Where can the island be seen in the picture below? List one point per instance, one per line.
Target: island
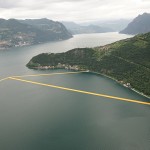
(126, 61)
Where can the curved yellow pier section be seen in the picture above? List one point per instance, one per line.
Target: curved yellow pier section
(3, 79)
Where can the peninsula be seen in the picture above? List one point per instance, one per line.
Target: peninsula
(126, 61)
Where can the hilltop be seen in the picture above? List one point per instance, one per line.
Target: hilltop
(127, 61)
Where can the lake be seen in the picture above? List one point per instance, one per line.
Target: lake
(35, 117)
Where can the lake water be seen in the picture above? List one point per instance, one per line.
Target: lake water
(34, 117)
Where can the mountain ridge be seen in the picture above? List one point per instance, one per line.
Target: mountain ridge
(139, 25)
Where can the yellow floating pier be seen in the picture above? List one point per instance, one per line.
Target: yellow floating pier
(81, 91)
(19, 78)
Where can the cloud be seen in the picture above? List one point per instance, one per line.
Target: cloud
(8, 4)
(73, 10)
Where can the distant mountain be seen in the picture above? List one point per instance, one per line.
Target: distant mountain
(78, 29)
(140, 24)
(14, 33)
(126, 61)
(97, 29)
(116, 25)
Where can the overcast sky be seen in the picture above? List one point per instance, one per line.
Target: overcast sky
(73, 10)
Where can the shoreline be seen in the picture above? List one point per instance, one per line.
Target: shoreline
(140, 93)
(34, 44)
(89, 71)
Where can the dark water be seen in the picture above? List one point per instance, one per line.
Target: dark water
(34, 117)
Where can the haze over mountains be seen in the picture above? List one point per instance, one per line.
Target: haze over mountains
(96, 26)
(75, 28)
(141, 24)
(116, 25)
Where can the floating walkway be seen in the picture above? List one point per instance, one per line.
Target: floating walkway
(18, 78)
(3, 79)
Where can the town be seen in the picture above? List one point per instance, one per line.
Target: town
(59, 66)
